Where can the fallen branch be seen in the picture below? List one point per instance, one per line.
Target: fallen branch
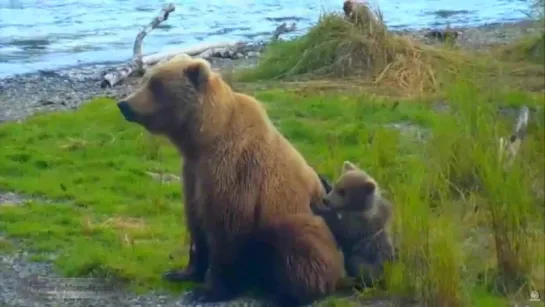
(137, 65)
(509, 148)
(140, 63)
(202, 49)
(231, 50)
(282, 29)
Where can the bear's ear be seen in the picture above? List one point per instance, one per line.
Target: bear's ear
(198, 72)
(348, 166)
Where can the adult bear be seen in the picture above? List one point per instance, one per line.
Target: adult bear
(247, 189)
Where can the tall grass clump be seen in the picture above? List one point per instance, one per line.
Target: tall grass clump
(429, 261)
(427, 236)
(511, 206)
(361, 47)
(457, 192)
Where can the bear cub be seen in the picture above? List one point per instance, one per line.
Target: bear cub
(357, 215)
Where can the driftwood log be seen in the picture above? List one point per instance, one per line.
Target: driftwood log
(510, 147)
(230, 50)
(282, 29)
(139, 63)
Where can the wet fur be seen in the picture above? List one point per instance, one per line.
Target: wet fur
(241, 179)
(358, 220)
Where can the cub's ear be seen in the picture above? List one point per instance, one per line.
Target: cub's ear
(348, 166)
(198, 72)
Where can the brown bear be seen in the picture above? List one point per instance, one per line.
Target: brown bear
(357, 215)
(245, 186)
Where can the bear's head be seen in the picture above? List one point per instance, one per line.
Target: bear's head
(170, 95)
(355, 190)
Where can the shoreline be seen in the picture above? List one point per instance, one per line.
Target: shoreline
(67, 88)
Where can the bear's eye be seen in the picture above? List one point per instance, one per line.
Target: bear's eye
(156, 88)
(341, 192)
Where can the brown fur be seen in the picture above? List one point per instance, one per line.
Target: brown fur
(348, 8)
(241, 176)
(297, 250)
(359, 13)
(357, 215)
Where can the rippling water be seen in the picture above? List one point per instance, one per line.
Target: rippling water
(49, 34)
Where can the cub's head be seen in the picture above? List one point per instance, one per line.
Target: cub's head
(348, 7)
(170, 94)
(355, 190)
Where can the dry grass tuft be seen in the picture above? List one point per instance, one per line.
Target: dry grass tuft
(358, 46)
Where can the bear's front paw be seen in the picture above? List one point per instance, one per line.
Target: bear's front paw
(195, 296)
(216, 290)
(208, 295)
(189, 274)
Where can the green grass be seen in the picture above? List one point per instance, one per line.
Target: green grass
(109, 217)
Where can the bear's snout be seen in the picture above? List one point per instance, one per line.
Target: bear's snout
(127, 111)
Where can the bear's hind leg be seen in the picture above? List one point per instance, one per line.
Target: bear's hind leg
(300, 260)
(366, 274)
(229, 270)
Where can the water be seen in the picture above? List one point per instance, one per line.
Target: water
(50, 34)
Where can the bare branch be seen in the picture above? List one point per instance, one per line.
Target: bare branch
(136, 65)
(139, 62)
(282, 29)
(163, 16)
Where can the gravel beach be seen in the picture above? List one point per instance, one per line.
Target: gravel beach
(47, 91)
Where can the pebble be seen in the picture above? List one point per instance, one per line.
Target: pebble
(19, 279)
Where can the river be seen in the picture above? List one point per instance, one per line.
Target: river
(51, 34)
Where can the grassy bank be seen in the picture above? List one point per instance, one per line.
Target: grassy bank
(367, 55)
(106, 204)
(111, 215)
